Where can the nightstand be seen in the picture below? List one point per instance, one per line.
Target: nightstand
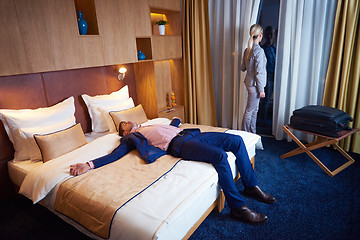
(177, 111)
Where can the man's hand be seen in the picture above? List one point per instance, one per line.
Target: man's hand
(262, 94)
(79, 168)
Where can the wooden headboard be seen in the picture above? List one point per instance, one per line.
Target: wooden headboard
(46, 89)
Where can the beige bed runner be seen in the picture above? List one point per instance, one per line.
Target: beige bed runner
(93, 198)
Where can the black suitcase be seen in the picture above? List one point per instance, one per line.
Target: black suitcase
(323, 120)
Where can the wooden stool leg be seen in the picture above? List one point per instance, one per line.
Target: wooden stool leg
(315, 145)
(302, 149)
(319, 163)
(347, 156)
(311, 146)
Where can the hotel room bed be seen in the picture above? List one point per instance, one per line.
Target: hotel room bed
(177, 200)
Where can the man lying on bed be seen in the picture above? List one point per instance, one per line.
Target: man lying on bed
(155, 141)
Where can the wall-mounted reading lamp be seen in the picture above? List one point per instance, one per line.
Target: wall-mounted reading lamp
(122, 72)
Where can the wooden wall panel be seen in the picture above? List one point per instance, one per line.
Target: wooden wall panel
(52, 39)
(166, 47)
(119, 22)
(177, 80)
(13, 58)
(61, 21)
(163, 83)
(36, 21)
(174, 25)
(146, 87)
(139, 14)
(43, 35)
(173, 5)
(89, 52)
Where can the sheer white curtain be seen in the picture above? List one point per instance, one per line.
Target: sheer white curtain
(303, 49)
(230, 21)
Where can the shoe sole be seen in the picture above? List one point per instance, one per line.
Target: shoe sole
(250, 223)
(249, 196)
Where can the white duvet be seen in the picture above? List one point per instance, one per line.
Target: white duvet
(40, 181)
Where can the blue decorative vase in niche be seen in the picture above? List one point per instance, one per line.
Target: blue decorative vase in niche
(141, 55)
(83, 26)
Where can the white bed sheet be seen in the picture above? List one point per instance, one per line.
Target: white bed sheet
(165, 218)
(19, 169)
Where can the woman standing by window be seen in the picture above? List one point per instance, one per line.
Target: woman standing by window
(254, 62)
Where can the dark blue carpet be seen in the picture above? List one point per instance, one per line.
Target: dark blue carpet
(310, 204)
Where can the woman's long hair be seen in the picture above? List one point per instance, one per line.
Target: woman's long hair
(255, 31)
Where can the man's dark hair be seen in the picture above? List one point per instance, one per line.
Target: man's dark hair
(268, 30)
(121, 130)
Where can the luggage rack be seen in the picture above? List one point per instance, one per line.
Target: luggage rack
(322, 141)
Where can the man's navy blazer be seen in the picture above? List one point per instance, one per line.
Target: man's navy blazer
(131, 142)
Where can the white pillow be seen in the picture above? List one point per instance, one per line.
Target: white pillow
(28, 118)
(98, 123)
(105, 113)
(104, 120)
(28, 135)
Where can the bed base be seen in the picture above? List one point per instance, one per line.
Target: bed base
(218, 206)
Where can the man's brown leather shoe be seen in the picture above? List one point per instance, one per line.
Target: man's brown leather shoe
(258, 194)
(246, 215)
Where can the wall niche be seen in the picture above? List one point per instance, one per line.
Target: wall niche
(87, 7)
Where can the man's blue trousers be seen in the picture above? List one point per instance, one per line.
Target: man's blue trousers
(211, 147)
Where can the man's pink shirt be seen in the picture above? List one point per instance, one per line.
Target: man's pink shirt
(159, 136)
